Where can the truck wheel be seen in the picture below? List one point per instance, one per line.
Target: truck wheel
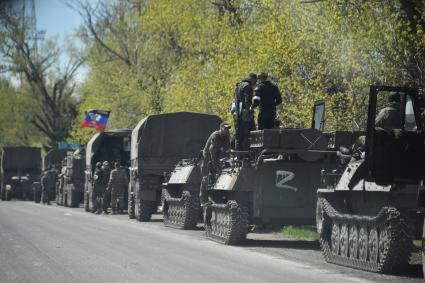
(144, 210)
(8, 195)
(131, 206)
(73, 200)
(37, 197)
(86, 202)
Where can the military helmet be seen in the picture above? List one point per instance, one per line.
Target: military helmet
(105, 163)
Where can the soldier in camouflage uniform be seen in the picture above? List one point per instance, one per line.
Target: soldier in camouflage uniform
(267, 96)
(391, 117)
(118, 183)
(106, 195)
(97, 189)
(47, 184)
(217, 145)
(60, 191)
(242, 114)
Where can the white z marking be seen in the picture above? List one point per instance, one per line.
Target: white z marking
(282, 177)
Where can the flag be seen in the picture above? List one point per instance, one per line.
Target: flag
(95, 119)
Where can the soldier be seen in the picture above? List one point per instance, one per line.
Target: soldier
(118, 183)
(45, 187)
(61, 192)
(267, 96)
(97, 188)
(217, 144)
(391, 117)
(243, 115)
(106, 196)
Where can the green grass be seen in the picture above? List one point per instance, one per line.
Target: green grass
(299, 233)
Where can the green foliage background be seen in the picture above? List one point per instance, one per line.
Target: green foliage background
(187, 55)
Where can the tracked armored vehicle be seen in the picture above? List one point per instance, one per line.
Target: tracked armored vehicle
(371, 207)
(158, 142)
(73, 179)
(111, 146)
(182, 208)
(19, 168)
(274, 183)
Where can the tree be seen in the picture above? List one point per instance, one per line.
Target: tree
(50, 84)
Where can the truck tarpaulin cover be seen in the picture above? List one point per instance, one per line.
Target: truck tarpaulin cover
(171, 136)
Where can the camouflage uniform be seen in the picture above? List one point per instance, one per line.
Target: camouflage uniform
(97, 193)
(215, 147)
(118, 183)
(106, 195)
(267, 95)
(61, 192)
(242, 114)
(391, 117)
(45, 187)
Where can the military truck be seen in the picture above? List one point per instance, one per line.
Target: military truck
(73, 179)
(52, 160)
(371, 207)
(19, 168)
(158, 142)
(111, 146)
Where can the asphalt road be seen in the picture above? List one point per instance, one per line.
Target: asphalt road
(56, 244)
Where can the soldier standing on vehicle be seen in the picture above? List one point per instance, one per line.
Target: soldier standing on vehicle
(217, 145)
(97, 188)
(267, 96)
(118, 183)
(391, 117)
(106, 196)
(243, 115)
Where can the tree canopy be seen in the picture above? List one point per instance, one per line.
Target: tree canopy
(146, 56)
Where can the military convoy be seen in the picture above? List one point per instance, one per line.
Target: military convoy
(368, 209)
(158, 142)
(111, 146)
(19, 168)
(371, 208)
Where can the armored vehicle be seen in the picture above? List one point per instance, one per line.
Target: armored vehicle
(51, 161)
(181, 206)
(73, 179)
(19, 168)
(158, 142)
(111, 146)
(274, 183)
(370, 208)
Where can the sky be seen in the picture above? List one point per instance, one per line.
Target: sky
(56, 18)
(59, 22)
